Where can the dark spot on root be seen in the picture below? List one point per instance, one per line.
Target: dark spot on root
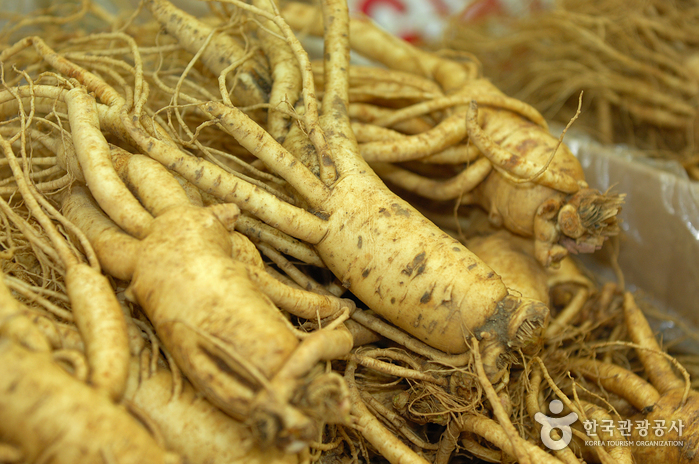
(327, 161)
(13, 386)
(359, 242)
(222, 366)
(366, 273)
(393, 300)
(432, 325)
(416, 324)
(399, 210)
(456, 249)
(512, 162)
(471, 266)
(426, 297)
(417, 261)
(385, 212)
(420, 270)
(490, 275)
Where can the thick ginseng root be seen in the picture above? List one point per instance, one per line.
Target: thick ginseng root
(53, 417)
(438, 291)
(555, 204)
(512, 258)
(228, 337)
(191, 425)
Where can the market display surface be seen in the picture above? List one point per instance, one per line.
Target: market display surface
(216, 249)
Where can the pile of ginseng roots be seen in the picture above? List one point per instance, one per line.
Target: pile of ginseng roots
(169, 293)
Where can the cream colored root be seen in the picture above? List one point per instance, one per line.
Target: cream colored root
(360, 76)
(455, 154)
(365, 132)
(413, 344)
(261, 144)
(447, 189)
(335, 120)
(283, 243)
(322, 345)
(568, 272)
(27, 292)
(369, 114)
(292, 271)
(567, 314)
(445, 134)
(35, 175)
(75, 359)
(212, 439)
(512, 165)
(481, 91)
(360, 334)
(15, 325)
(378, 409)
(92, 151)
(102, 325)
(153, 185)
(387, 91)
(48, 187)
(512, 258)
(310, 118)
(214, 180)
(619, 454)
(286, 76)
(95, 308)
(641, 394)
(494, 433)
(192, 192)
(388, 445)
(516, 441)
(397, 371)
(657, 367)
(115, 249)
(533, 407)
(300, 303)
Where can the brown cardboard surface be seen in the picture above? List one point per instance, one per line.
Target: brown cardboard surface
(659, 246)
